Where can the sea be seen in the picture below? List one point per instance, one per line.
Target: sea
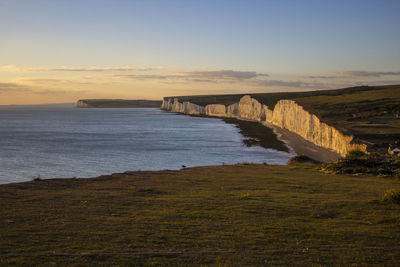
(62, 141)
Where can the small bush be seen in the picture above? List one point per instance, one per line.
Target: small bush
(37, 178)
(302, 159)
(391, 196)
(356, 154)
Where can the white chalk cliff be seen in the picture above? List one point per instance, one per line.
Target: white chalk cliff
(287, 114)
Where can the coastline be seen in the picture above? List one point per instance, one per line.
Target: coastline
(300, 146)
(296, 144)
(285, 113)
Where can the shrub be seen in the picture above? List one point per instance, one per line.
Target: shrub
(302, 159)
(37, 178)
(356, 154)
(361, 163)
(391, 196)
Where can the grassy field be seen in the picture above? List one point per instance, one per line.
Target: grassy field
(223, 215)
(365, 112)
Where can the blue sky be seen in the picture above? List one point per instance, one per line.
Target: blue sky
(338, 43)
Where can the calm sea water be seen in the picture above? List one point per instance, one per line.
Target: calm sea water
(67, 141)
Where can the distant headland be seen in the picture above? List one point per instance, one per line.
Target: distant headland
(117, 103)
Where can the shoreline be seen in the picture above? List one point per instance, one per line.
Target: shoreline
(296, 144)
(300, 146)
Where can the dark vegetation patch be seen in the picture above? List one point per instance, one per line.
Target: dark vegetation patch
(391, 196)
(149, 192)
(302, 159)
(233, 215)
(358, 162)
(257, 134)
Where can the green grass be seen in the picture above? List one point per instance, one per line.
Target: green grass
(257, 134)
(223, 215)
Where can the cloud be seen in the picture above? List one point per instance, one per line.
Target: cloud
(321, 77)
(212, 76)
(383, 82)
(48, 92)
(21, 88)
(357, 74)
(13, 87)
(360, 73)
(295, 84)
(322, 85)
(45, 80)
(93, 69)
(224, 74)
(147, 77)
(14, 68)
(161, 74)
(41, 81)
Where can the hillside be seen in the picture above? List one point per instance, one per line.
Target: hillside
(371, 115)
(367, 112)
(219, 215)
(117, 103)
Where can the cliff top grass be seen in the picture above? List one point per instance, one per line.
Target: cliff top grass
(270, 99)
(367, 112)
(219, 215)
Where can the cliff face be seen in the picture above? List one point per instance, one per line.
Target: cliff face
(216, 110)
(82, 104)
(251, 109)
(173, 105)
(287, 114)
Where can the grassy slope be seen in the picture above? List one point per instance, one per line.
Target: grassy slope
(374, 120)
(243, 207)
(374, 106)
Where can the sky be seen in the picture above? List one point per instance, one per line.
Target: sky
(61, 51)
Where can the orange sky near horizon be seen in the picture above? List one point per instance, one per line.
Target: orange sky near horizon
(62, 51)
(39, 85)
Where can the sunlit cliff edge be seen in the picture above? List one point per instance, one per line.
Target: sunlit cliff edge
(286, 114)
